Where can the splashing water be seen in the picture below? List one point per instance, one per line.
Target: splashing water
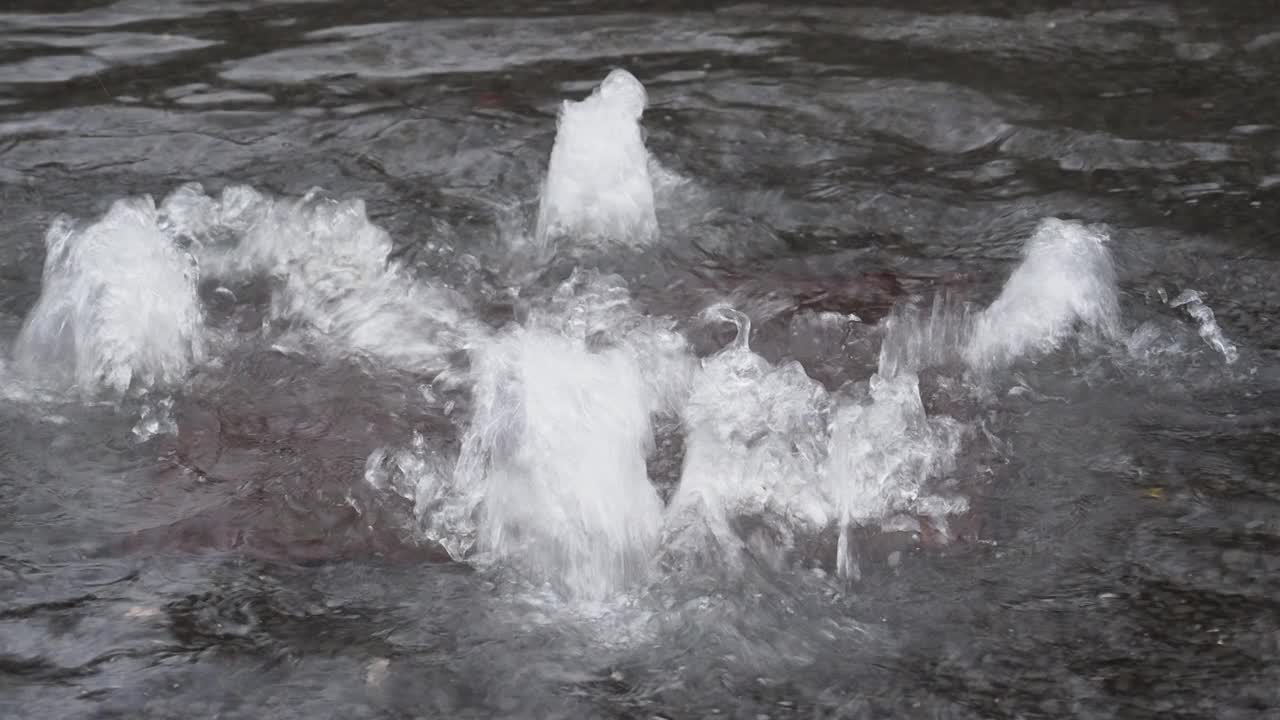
(1065, 283)
(598, 189)
(754, 447)
(334, 276)
(118, 305)
(882, 451)
(598, 310)
(552, 476)
(1191, 301)
(884, 448)
(557, 452)
(914, 341)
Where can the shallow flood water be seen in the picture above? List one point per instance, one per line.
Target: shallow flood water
(848, 361)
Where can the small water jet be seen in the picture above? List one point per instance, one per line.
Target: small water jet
(551, 479)
(118, 306)
(1065, 285)
(598, 191)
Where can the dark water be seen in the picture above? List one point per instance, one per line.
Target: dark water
(1121, 555)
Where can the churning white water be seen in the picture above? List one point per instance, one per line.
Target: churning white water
(753, 446)
(556, 450)
(331, 272)
(551, 478)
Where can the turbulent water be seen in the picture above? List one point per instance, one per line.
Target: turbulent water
(632, 360)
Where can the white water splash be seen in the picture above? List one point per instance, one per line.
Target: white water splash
(1065, 284)
(884, 447)
(755, 444)
(1192, 302)
(557, 450)
(768, 442)
(552, 477)
(598, 310)
(915, 340)
(118, 306)
(598, 189)
(334, 278)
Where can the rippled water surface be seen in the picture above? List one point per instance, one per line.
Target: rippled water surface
(910, 360)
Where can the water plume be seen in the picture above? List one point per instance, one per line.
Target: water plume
(598, 191)
(1065, 285)
(551, 479)
(118, 306)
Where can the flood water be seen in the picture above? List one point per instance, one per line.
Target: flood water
(898, 360)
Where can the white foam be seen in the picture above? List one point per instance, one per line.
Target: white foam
(1065, 285)
(118, 305)
(598, 310)
(597, 189)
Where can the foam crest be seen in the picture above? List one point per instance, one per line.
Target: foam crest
(334, 277)
(118, 305)
(755, 444)
(1065, 284)
(598, 189)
